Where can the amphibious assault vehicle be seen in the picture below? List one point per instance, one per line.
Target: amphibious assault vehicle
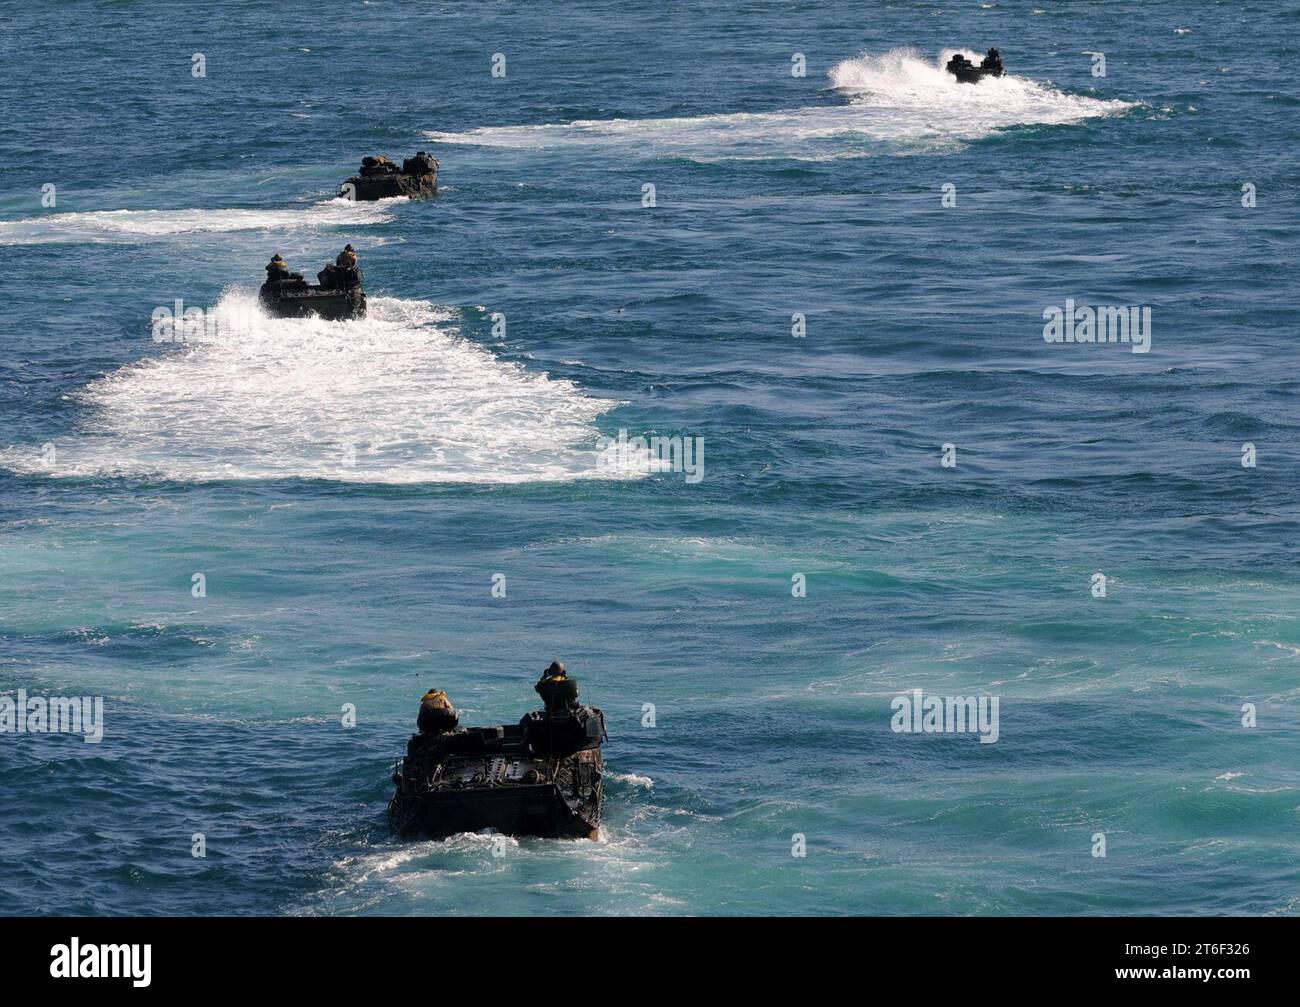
(967, 72)
(540, 777)
(380, 178)
(338, 296)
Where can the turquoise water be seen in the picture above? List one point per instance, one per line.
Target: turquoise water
(349, 490)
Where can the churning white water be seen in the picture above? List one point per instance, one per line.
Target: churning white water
(396, 397)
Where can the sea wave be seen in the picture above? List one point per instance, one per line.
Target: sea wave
(130, 226)
(898, 102)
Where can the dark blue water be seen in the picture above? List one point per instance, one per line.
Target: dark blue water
(349, 490)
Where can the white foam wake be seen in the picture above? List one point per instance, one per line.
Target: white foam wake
(897, 102)
(396, 397)
(107, 226)
(904, 90)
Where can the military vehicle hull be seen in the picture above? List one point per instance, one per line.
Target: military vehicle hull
(974, 74)
(369, 188)
(495, 778)
(307, 299)
(539, 809)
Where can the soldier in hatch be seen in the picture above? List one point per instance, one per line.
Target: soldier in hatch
(992, 62)
(558, 691)
(437, 715)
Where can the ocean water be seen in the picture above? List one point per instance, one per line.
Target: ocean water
(349, 491)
